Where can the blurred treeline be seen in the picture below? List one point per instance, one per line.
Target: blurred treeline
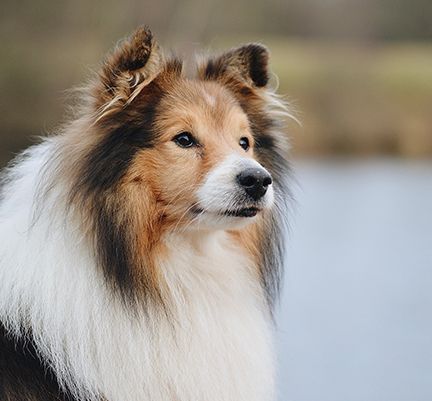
(358, 72)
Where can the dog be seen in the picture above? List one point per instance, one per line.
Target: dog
(141, 247)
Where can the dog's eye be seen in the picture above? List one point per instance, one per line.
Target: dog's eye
(244, 143)
(185, 140)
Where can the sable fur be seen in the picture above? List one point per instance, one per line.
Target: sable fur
(107, 291)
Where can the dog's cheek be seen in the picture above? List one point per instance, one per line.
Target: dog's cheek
(180, 178)
(141, 185)
(175, 175)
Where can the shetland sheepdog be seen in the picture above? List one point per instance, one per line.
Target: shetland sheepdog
(141, 246)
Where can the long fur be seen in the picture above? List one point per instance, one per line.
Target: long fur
(106, 292)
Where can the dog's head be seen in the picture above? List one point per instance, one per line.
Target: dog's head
(167, 152)
(202, 169)
(186, 149)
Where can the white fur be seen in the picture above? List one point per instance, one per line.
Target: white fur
(220, 192)
(215, 347)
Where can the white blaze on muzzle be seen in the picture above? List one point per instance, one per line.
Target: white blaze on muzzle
(224, 190)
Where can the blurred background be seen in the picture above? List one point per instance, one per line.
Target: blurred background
(355, 322)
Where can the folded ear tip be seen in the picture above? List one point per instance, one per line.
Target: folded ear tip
(258, 56)
(142, 35)
(142, 42)
(258, 49)
(137, 49)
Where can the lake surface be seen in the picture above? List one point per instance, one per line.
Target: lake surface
(355, 321)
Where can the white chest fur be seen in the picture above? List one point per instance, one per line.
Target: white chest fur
(222, 345)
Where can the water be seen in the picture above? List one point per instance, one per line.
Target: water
(355, 320)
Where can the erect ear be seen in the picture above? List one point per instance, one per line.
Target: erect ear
(134, 63)
(248, 63)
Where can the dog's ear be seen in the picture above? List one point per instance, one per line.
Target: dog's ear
(249, 63)
(134, 63)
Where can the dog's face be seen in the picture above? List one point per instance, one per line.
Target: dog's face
(201, 169)
(174, 151)
(157, 152)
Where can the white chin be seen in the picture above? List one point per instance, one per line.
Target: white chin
(217, 221)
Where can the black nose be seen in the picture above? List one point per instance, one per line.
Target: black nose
(255, 181)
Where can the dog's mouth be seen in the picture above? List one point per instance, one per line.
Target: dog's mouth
(244, 212)
(241, 212)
